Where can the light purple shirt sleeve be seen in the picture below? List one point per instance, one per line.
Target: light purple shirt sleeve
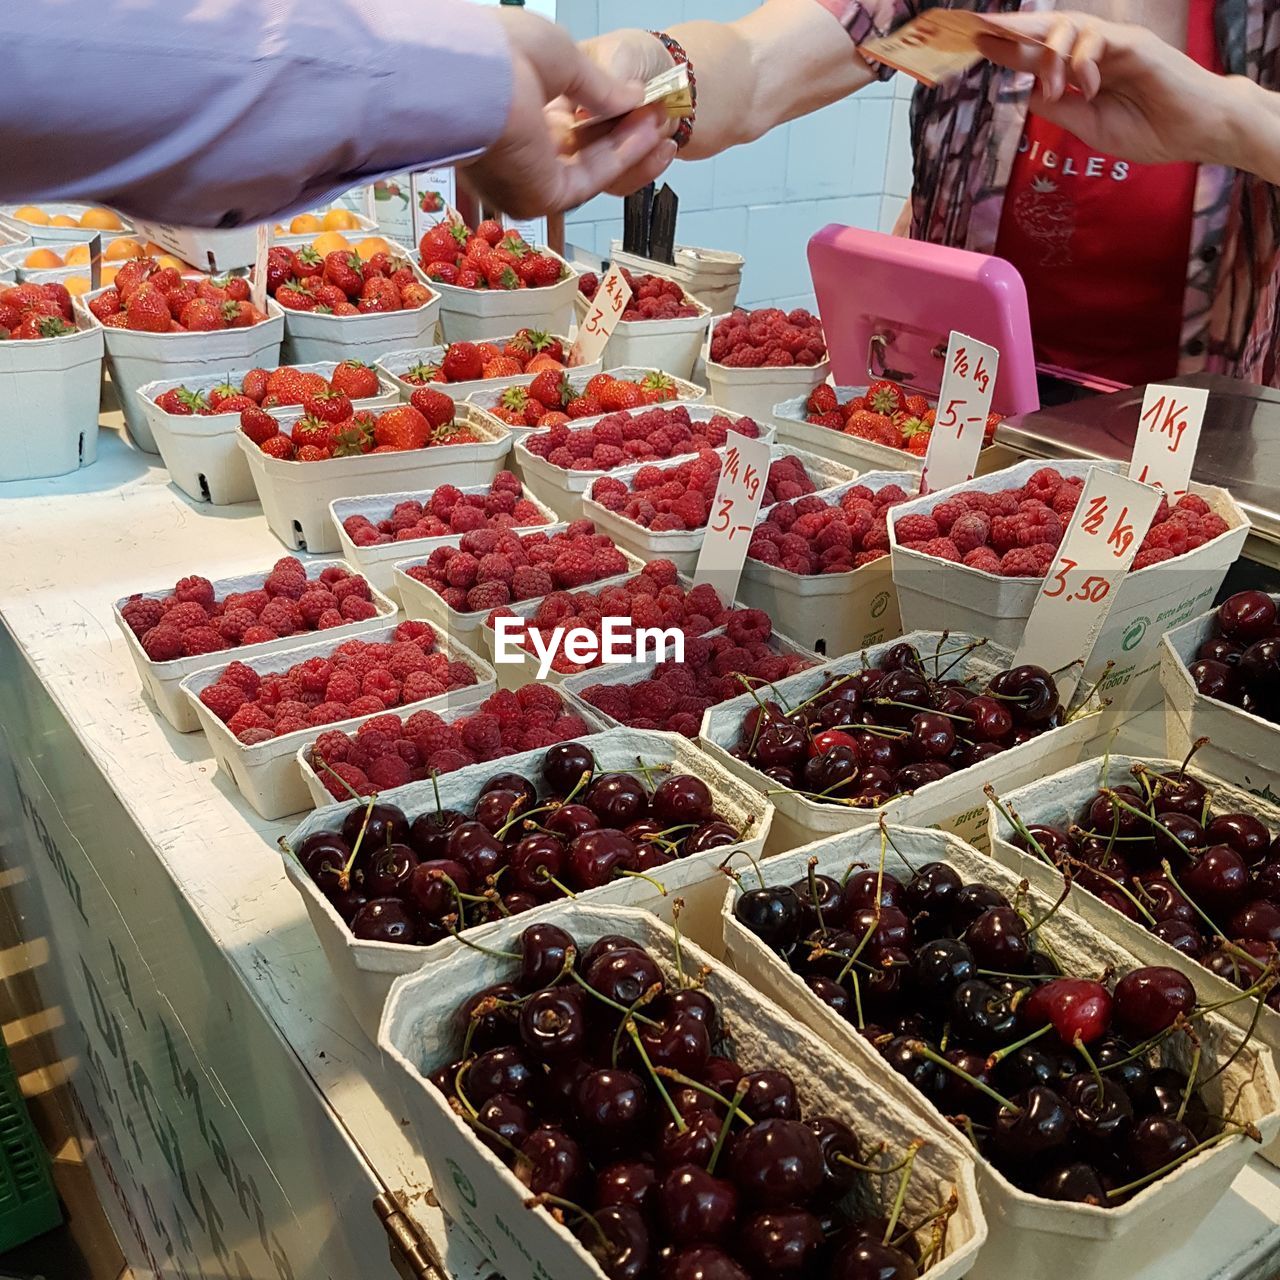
(227, 112)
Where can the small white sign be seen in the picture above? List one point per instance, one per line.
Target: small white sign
(1164, 450)
(432, 195)
(530, 230)
(1098, 548)
(601, 319)
(968, 383)
(733, 514)
(258, 283)
(95, 261)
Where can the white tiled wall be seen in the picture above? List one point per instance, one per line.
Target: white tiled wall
(848, 163)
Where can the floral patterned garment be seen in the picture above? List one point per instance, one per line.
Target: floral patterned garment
(965, 134)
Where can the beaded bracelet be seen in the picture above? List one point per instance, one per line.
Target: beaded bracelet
(678, 55)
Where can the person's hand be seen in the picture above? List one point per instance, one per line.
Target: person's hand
(1116, 87)
(536, 166)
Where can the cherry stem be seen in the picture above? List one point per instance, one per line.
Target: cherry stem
(891, 702)
(1001, 1054)
(1191, 1080)
(1197, 745)
(643, 998)
(544, 1198)
(546, 875)
(813, 891)
(680, 1122)
(344, 879)
(961, 654)
(1195, 906)
(677, 907)
(646, 771)
(613, 1004)
(456, 934)
(1144, 815)
(435, 787)
(857, 1000)
(1118, 887)
(1057, 906)
(325, 765)
(670, 1073)
(1079, 1046)
(873, 1170)
(900, 1199)
(640, 875)
(938, 1232)
(1093, 692)
(1249, 1030)
(1010, 815)
(734, 1111)
(919, 1046)
(884, 831)
(1116, 1192)
(457, 1088)
(750, 857)
(866, 937)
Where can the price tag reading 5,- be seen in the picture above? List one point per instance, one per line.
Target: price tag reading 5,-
(968, 383)
(1164, 450)
(603, 314)
(733, 514)
(1099, 546)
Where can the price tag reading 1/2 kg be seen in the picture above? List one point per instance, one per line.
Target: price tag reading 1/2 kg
(1099, 546)
(603, 314)
(733, 514)
(968, 383)
(258, 285)
(1164, 450)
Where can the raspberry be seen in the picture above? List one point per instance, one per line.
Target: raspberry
(1212, 526)
(366, 705)
(289, 585)
(462, 570)
(282, 615)
(1193, 502)
(915, 528)
(197, 590)
(1151, 555)
(970, 531)
(354, 609)
(340, 780)
(1043, 484)
(419, 685)
(224, 700)
(1170, 536)
(247, 716)
(313, 603)
(1020, 562)
(1004, 533)
(1039, 526)
(252, 736)
(983, 558)
(481, 734)
(141, 614)
(233, 623)
(942, 549)
(389, 771)
(185, 615)
(198, 640)
(328, 713)
(747, 625)
(380, 683)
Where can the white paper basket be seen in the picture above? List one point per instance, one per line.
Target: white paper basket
(670, 345)
(476, 315)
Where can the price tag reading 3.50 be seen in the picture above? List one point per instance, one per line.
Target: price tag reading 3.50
(603, 314)
(1164, 450)
(733, 514)
(1099, 546)
(968, 383)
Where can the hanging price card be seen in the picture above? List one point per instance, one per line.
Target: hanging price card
(1164, 450)
(432, 194)
(258, 284)
(1101, 541)
(968, 383)
(602, 318)
(733, 514)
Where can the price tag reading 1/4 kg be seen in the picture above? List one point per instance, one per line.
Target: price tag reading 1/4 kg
(1098, 548)
(733, 514)
(968, 383)
(603, 314)
(1164, 450)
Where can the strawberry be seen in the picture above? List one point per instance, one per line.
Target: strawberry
(312, 453)
(442, 243)
(514, 244)
(356, 378)
(345, 270)
(179, 298)
(503, 277)
(278, 446)
(282, 266)
(311, 430)
(657, 387)
(414, 295)
(534, 412)
(216, 395)
(822, 399)
(236, 404)
(254, 384)
(620, 395)
(918, 444)
(545, 271)
(35, 325)
(420, 372)
(327, 295)
(515, 398)
(885, 397)
(147, 310)
(552, 389)
(462, 362)
(135, 272)
(441, 272)
(435, 406)
(183, 403)
(309, 263)
(597, 384)
(583, 407)
(351, 438)
(289, 385)
(107, 303)
(246, 315)
(328, 406)
(403, 427)
(989, 430)
(543, 362)
(295, 296)
(491, 231)
(379, 295)
(502, 367)
(236, 287)
(403, 276)
(258, 425)
(57, 293)
(916, 406)
(470, 279)
(379, 265)
(205, 289)
(202, 316)
(554, 419)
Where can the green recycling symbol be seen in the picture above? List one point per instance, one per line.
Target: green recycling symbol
(1133, 633)
(462, 1183)
(879, 604)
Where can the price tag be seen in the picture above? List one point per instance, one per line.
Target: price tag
(733, 514)
(530, 230)
(602, 318)
(432, 194)
(968, 383)
(1101, 541)
(1168, 436)
(258, 283)
(95, 261)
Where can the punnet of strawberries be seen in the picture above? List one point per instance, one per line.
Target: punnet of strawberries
(769, 338)
(359, 678)
(552, 399)
(33, 311)
(652, 297)
(886, 413)
(678, 498)
(447, 510)
(331, 428)
(620, 438)
(490, 257)
(390, 750)
(526, 351)
(150, 298)
(192, 620)
(490, 568)
(1016, 532)
(341, 283)
(272, 389)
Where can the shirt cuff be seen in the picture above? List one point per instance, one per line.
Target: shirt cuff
(854, 17)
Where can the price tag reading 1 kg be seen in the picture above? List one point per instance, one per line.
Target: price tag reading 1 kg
(968, 383)
(603, 314)
(1106, 530)
(1164, 450)
(733, 514)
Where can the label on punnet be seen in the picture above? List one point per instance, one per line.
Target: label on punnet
(603, 314)
(739, 494)
(968, 383)
(1164, 450)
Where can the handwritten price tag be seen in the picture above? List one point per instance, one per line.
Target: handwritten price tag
(964, 402)
(601, 319)
(258, 284)
(1098, 548)
(1168, 436)
(733, 514)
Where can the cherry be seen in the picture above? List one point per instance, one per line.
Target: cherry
(1166, 1088)
(932, 735)
(568, 821)
(429, 832)
(1266, 881)
(612, 1103)
(1247, 616)
(683, 798)
(1042, 1123)
(998, 939)
(902, 693)
(835, 1138)
(624, 976)
(497, 1025)
(1072, 1180)
(1053, 842)
(616, 799)
(1156, 1141)
(385, 920)
(695, 1205)
(773, 913)
(1259, 921)
(381, 824)
(833, 995)
(782, 1242)
(1259, 668)
(1179, 792)
(510, 1118)
(769, 1095)
(1177, 831)
(970, 901)
(714, 834)
(1218, 879)
(722, 1075)
(516, 782)
(619, 1241)
(866, 887)
(1164, 900)
(694, 1143)
(564, 764)
(1075, 1007)
(1220, 649)
(870, 1259)
(552, 1023)
(982, 1014)
(1244, 833)
(956, 1095)
(831, 737)
(1028, 1065)
(324, 856)
(595, 857)
(933, 888)
(1181, 935)
(781, 744)
(472, 844)
(888, 926)
(518, 901)
(506, 1069)
(550, 1162)
(834, 771)
(629, 1182)
(495, 809)
(1131, 1073)
(681, 1043)
(1101, 1111)
(883, 753)
(689, 1002)
(703, 1262)
(605, 945)
(1029, 692)
(911, 777)
(388, 872)
(776, 1161)
(1107, 816)
(903, 1054)
(558, 1087)
(535, 861)
(819, 899)
(430, 891)
(939, 967)
(989, 719)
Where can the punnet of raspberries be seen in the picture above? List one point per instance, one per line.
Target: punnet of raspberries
(827, 535)
(490, 257)
(191, 620)
(390, 751)
(1016, 532)
(359, 678)
(676, 498)
(552, 399)
(770, 336)
(621, 438)
(330, 427)
(153, 299)
(652, 297)
(342, 283)
(715, 669)
(526, 351)
(490, 568)
(887, 413)
(272, 389)
(32, 311)
(447, 510)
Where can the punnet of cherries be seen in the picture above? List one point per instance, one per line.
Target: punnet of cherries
(1063, 1082)
(866, 737)
(567, 828)
(1240, 663)
(610, 1089)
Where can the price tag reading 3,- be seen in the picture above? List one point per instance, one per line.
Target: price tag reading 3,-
(603, 314)
(1164, 450)
(1098, 548)
(733, 514)
(968, 383)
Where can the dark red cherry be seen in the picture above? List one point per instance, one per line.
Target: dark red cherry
(1243, 832)
(780, 744)
(835, 1139)
(612, 1104)
(933, 889)
(568, 821)
(514, 782)
(770, 1095)
(883, 753)
(681, 1043)
(432, 885)
(564, 765)
(596, 857)
(715, 834)
(1177, 833)
(1108, 816)
(1218, 879)
(939, 967)
(552, 1023)
(618, 1239)
(1181, 935)
(775, 1161)
(1072, 1180)
(551, 1163)
(695, 1205)
(703, 1262)
(683, 798)
(1220, 649)
(1030, 693)
(1076, 1008)
(546, 951)
(989, 719)
(623, 976)
(694, 1143)
(535, 862)
(690, 1002)
(616, 799)
(381, 824)
(473, 844)
(385, 920)
(1247, 616)
(982, 1014)
(957, 1095)
(868, 887)
(933, 735)
(782, 1242)
(324, 856)
(722, 1075)
(970, 901)
(1166, 1088)
(834, 772)
(497, 810)
(1180, 792)
(1259, 669)
(1164, 900)
(773, 913)
(903, 1054)
(1115, 1058)
(387, 873)
(1156, 1141)
(1102, 1112)
(870, 1259)
(487, 1019)
(1266, 880)
(837, 998)
(1053, 842)
(507, 1117)
(506, 1069)
(1259, 921)
(429, 833)
(999, 940)
(629, 1182)
(1042, 1124)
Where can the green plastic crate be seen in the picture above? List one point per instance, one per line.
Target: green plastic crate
(28, 1201)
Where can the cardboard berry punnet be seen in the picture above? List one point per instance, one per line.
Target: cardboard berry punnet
(671, 345)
